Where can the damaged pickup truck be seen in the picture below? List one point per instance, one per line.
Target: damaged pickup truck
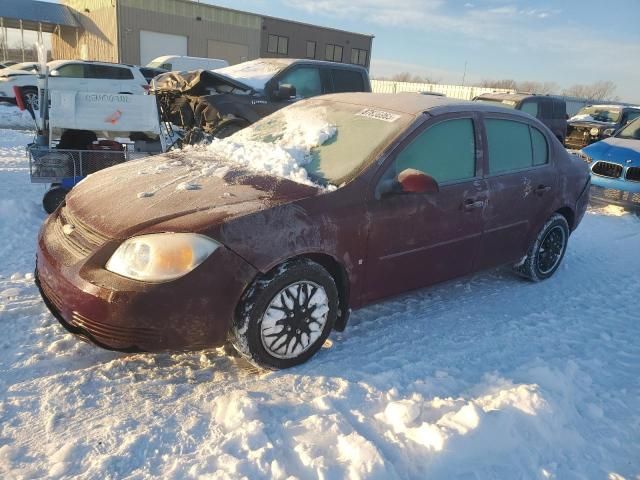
(218, 103)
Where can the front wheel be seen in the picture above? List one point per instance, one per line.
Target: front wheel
(285, 316)
(547, 251)
(53, 198)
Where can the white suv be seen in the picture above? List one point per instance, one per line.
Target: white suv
(73, 75)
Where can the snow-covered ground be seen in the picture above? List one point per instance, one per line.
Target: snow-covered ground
(484, 377)
(12, 117)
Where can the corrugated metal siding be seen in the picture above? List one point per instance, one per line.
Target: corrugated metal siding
(97, 37)
(180, 18)
(299, 33)
(452, 91)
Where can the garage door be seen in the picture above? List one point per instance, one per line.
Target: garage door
(154, 44)
(231, 52)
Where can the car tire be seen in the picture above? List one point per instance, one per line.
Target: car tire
(31, 98)
(53, 198)
(285, 316)
(547, 251)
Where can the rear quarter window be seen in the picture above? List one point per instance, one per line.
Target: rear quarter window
(347, 80)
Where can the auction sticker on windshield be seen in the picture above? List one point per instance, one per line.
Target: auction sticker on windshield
(378, 115)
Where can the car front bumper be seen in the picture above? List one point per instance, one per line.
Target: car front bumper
(116, 313)
(615, 191)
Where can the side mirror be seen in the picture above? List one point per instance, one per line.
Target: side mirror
(415, 181)
(285, 91)
(608, 133)
(54, 73)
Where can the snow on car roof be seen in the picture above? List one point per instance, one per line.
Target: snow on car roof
(256, 73)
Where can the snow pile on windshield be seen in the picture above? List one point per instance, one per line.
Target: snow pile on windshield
(255, 73)
(284, 155)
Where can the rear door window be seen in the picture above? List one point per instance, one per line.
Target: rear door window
(446, 151)
(71, 70)
(108, 72)
(347, 80)
(306, 80)
(514, 146)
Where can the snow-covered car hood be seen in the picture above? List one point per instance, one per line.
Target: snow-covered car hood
(8, 72)
(175, 192)
(620, 150)
(589, 122)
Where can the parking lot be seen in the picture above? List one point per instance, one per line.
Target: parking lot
(487, 376)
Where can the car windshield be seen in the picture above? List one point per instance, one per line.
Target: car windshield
(599, 113)
(502, 103)
(317, 141)
(631, 131)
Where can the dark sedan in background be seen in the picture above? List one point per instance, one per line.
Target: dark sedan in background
(596, 122)
(401, 192)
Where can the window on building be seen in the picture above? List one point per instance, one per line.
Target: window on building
(514, 146)
(446, 151)
(333, 53)
(311, 49)
(358, 56)
(278, 44)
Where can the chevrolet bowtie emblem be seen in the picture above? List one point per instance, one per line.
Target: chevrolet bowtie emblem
(629, 161)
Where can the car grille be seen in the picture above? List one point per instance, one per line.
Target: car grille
(578, 137)
(633, 174)
(70, 239)
(114, 334)
(606, 169)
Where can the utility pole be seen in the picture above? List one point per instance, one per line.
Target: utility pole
(464, 75)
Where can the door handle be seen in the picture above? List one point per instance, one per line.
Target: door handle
(542, 189)
(471, 204)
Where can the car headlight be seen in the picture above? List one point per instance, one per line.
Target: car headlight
(595, 131)
(161, 257)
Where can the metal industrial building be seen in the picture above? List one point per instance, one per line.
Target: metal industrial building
(136, 31)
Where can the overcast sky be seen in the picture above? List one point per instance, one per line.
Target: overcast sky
(568, 41)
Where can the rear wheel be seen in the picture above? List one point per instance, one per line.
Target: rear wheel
(31, 98)
(53, 198)
(547, 251)
(285, 317)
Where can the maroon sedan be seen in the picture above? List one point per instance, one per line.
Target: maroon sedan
(269, 238)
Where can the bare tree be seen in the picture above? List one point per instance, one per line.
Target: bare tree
(541, 88)
(602, 90)
(408, 77)
(505, 83)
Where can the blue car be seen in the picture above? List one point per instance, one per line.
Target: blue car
(615, 167)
